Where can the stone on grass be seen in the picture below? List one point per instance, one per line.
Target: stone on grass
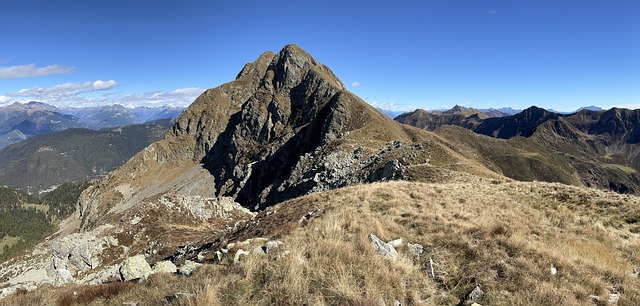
(415, 249)
(165, 266)
(189, 267)
(395, 243)
(272, 245)
(383, 248)
(134, 268)
(475, 294)
(236, 258)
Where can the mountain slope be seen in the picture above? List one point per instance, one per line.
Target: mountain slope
(521, 243)
(41, 162)
(285, 152)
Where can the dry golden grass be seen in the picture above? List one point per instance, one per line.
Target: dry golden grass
(502, 236)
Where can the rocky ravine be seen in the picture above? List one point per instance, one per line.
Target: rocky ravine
(284, 128)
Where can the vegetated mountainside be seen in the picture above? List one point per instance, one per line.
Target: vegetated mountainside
(25, 220)
(110, 116)
(19, 121)
(22, 221)
(41, 162)
(519, 243)
(591, 148)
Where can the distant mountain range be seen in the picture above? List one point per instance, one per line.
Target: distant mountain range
(595, 148)
(110, 116)
(19, 121)
(489, 112)
(44, 161)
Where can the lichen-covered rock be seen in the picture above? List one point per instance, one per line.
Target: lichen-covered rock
(189, 267)
(134, 268)
(164, 266)
(396, 243)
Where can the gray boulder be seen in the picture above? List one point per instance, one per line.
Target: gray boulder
(134, 268)
(189, 267)
(165, 266)
(383, 248)
(272, 245)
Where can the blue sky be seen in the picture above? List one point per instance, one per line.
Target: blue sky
(399, 55)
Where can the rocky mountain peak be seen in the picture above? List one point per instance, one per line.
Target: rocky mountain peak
(293, 65)
(455, 110)
(271, 134)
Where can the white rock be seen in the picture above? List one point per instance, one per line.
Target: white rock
(383, 248)
(164, 266)
(614, 298)
(135, 267)
(395, 243)
(236, 258)
(189, 267)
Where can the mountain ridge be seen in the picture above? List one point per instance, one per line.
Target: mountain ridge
(599, 147)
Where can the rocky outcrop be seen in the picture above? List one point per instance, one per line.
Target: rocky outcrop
(204, 208)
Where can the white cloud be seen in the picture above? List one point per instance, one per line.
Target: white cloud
(392, 106)
(182, 97)
(103, 85)
(355, 84)
(58, 92)
(25, 71)
(83, 94)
